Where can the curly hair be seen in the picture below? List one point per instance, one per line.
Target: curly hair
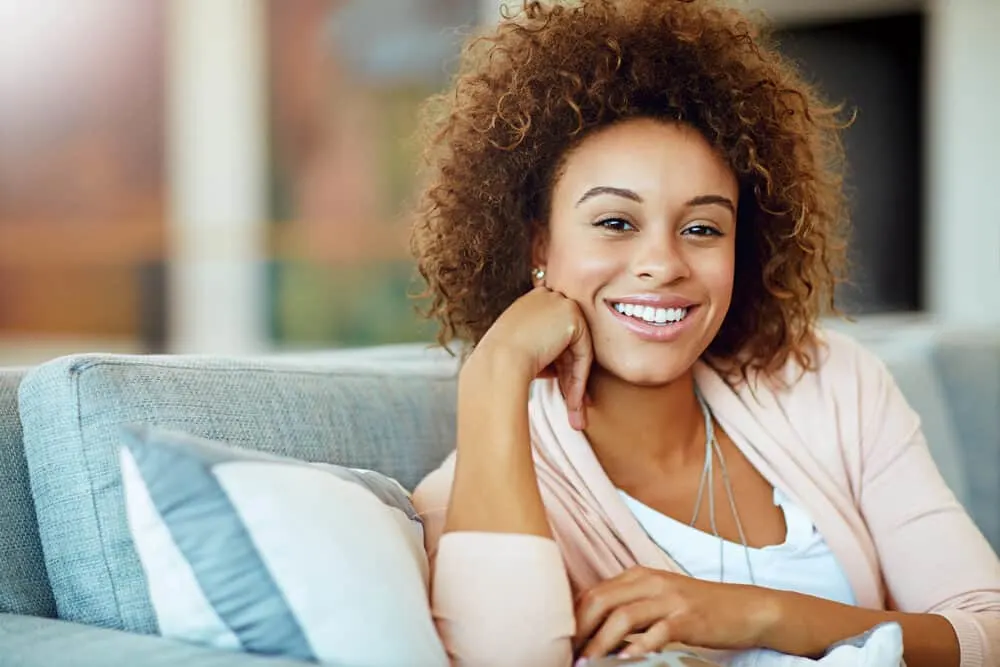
(553, 74)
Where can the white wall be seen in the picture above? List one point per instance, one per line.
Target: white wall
(962, 253)
(217, 152)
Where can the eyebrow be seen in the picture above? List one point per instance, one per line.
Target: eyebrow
(707, 200)
(608, 190)
(700, 200)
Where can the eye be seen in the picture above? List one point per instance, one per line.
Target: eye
(701, 230)
(615, 225)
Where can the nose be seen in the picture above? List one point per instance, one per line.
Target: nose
(659, 259)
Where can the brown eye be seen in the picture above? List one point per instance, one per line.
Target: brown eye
(615, 225)
(702, 230)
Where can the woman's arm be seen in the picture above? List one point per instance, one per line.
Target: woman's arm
(495, 489)
(500, 592)
(649, 609)
(933, 558)
(499, 595)
(808, 626)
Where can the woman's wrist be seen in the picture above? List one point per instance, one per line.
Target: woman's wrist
(769, 611)
(807, 626)
(494, 368)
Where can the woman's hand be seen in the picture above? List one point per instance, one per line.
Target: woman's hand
(545, 333)
(651, 609)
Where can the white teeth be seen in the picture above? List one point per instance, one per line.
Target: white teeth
(650, 314)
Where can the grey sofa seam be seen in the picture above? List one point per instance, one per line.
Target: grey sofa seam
(98, 520)
(77, 369)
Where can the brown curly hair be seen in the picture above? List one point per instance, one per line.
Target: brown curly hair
(551, 75)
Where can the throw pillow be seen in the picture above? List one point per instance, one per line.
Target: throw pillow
(251, 552)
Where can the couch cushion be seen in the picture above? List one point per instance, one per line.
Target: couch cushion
(24, 584)
(41, 642)
(347, 408)
(253, 552)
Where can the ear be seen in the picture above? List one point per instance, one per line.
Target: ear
(540, 246)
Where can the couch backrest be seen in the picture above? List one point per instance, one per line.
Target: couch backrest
(24, 585)
(389, 411)
(328, 406)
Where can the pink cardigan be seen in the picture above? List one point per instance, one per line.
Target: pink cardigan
(841, 442)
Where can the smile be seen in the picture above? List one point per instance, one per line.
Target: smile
(654, 323)
(656, 316)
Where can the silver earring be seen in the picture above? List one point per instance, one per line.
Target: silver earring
(538, 273)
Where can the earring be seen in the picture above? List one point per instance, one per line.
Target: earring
(538, 273)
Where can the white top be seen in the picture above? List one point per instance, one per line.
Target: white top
(803, 563)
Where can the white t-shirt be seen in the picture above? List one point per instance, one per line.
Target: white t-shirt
(802, 563)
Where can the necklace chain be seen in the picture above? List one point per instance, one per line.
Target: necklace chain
(712, 451)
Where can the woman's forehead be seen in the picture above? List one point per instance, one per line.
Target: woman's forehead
(648, 157)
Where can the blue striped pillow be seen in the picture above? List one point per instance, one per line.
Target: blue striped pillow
(251, 552)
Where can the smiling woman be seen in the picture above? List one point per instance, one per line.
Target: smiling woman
(644, 213)
(634, 216)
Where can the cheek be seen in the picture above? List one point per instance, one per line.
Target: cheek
(717, 274)
(578, 269)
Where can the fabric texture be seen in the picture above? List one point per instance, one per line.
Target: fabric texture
(271, 555)
(24, 583)
(28, 641)
(841, 442)
(395, 416)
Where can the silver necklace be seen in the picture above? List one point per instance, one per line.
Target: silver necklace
(713, 450)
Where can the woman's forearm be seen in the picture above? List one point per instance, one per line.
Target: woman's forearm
(807, 626)
(495, 488)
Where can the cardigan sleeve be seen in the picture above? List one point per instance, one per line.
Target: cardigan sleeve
(497, 598)
(932, 556)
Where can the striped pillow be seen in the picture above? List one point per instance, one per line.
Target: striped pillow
(251, 552)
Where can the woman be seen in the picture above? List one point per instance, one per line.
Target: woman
(635, 215)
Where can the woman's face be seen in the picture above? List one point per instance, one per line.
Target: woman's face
(642, 236)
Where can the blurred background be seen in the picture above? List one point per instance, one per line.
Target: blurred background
(235, 175)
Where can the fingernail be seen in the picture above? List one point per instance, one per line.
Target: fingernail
(580, 663)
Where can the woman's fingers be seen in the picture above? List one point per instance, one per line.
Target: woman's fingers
(652, 640)
(623, 622)
(600, 602)
(581, 356)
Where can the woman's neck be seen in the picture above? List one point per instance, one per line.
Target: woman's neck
(635, 430)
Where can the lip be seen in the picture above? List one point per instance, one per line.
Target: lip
(654, 300)
(655, 333)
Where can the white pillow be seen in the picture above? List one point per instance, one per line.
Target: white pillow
(258, 553)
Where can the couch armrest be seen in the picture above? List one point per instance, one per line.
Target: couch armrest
(29, 641)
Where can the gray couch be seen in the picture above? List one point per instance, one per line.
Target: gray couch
(390, 409)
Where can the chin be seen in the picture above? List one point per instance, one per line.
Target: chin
(648, 371)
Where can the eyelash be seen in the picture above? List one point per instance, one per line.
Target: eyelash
(614, 224)
(618, 225)
(706, 230)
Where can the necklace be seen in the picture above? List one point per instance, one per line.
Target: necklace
(712, 451)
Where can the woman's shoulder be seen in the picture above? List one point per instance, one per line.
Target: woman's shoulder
(847, 388)
(840, 366)
(844, 390)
